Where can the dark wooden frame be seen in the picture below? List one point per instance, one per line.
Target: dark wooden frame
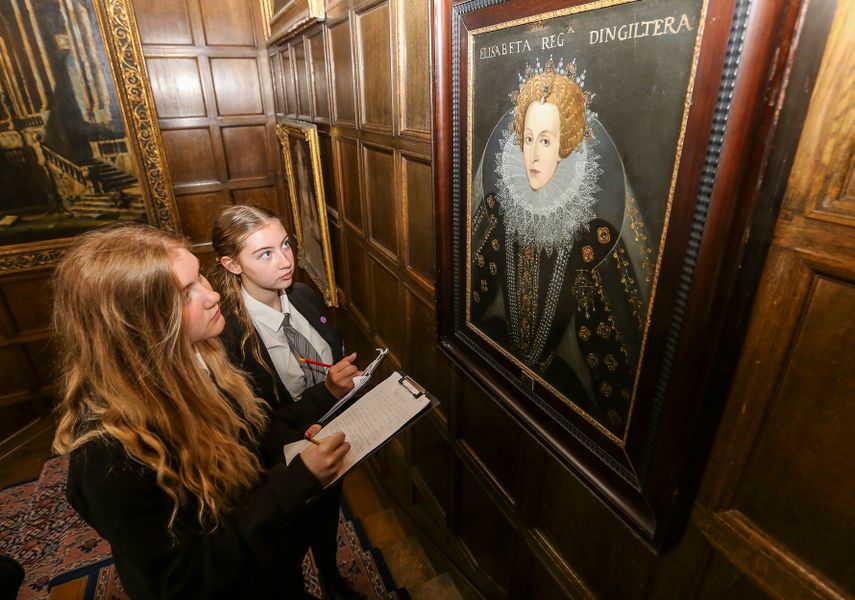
(650, 480)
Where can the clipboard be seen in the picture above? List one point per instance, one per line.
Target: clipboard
(374, 419)
(358, 383)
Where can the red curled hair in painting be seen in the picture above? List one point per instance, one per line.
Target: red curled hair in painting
(561, 90)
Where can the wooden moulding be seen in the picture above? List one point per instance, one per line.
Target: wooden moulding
(289, 17)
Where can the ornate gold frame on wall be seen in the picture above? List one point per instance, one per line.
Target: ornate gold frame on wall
(324, 277)
(118, 29)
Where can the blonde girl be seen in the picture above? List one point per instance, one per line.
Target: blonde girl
(164, 433)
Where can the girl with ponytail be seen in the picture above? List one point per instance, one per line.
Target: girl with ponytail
(270, 323)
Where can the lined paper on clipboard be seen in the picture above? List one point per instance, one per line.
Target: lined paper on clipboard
(358, 383)
(373, 419)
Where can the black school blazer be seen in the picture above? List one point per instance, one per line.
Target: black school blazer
(288, 419)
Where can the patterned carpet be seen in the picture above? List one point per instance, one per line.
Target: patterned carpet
(40, 530)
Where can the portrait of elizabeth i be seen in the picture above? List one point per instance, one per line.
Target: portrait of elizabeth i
(559, 265)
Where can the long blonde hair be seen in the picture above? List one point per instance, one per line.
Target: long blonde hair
(129, 373)
(231, 229)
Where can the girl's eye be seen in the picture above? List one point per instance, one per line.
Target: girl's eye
(528, 139)
(545, 141)
(265, 254)
(286, 244)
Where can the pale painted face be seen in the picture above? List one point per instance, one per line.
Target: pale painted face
(541, 143)
(201, 318)
(266, 261)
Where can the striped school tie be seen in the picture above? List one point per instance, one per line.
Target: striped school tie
(302, 348)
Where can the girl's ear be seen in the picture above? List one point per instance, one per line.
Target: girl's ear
(230, 265)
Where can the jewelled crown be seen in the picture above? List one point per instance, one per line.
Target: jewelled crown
(564, 70)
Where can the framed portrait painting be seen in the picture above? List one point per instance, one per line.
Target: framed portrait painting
(302, 161)
(79, 144)
(579, 163)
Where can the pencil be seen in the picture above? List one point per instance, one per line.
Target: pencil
(311, 439)
(314, 362)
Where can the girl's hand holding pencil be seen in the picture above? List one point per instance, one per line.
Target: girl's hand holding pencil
(324, 457)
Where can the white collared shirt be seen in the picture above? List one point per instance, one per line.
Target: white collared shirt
(202, 362)
(268, 325)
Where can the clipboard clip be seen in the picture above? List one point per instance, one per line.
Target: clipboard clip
(411, 386)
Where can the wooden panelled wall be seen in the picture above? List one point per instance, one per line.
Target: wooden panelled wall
(771, 519)
(207, 65)
(26, 360)
(363, 76)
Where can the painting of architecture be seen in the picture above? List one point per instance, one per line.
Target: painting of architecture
(65, 163)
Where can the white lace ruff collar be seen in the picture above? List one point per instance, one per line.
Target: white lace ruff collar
(557, 214)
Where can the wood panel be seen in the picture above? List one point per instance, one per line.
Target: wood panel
(567, 515)
(246, 152)
(387, 318)
(831, 150)
(815, 404)
(165, 22)
(237, 86)
(417, 186)
(348, 176)
(723, 581)
(197, 212)
(493, 437)
(320, 85)
(228, 22)
(423, 357)
(177, 87)
(26, 361)
(433, 458)
(29, 302)
(15, 371)
(356, 285)
(414, 68)
(479, 522)
(374, 51)
(328, 170)
(268, 197)
(190, 156)
(379, 185)
(43, 359)
(342, 73)
(278, 83)
(301, 76)
(289, 83)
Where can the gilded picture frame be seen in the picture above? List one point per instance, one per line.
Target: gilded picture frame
(584, 223)
(287, 17)
(301, 159)
(99, 79)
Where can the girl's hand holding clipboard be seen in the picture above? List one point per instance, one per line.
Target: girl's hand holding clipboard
(340, 376)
